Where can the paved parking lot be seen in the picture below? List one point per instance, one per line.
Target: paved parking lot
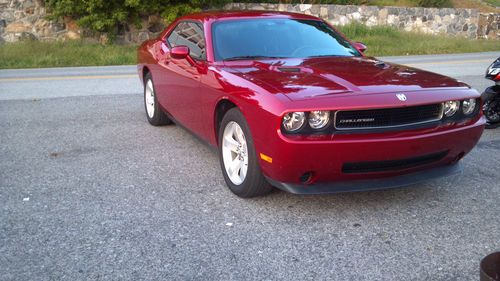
(90, 191)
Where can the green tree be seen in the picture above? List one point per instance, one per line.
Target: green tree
(107, 15)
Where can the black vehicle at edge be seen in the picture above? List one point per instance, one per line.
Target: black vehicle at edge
(491, 96)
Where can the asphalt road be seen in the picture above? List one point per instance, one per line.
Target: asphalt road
(90, 191)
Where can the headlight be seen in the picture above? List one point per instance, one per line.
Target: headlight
(468, 106)
(318, 119)
(493, 71)
(293, 121)
(450, 108)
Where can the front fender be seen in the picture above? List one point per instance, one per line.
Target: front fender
(490, 92)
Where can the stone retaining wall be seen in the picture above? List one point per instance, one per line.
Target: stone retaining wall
(26, 20)
(489, 26)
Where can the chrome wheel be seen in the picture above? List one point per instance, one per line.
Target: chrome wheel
(235, 153)
(149, 98)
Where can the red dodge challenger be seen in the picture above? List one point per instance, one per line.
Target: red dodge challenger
(290, 102)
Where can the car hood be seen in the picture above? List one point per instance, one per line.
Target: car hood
(301, 79)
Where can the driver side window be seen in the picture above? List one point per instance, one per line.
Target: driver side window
(189, 34)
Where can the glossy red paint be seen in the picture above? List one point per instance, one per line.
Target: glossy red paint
(179, 52)
(192, 90)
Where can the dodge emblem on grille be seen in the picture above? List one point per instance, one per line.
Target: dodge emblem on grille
(401, 97)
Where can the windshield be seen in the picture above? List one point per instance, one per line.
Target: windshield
(277, 38)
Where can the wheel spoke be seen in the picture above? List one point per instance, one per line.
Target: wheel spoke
(231, 144)
(239, 135)
(243, 171)
(235, 166)
(229, 131)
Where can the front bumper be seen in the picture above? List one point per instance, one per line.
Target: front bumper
(326, 160)
(373, 184)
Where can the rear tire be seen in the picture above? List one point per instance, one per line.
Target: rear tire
(154, 113)
(238, 159)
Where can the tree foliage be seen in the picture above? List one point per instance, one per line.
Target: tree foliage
(434, 3)
(107, 15)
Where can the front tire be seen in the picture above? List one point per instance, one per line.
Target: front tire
(491, 104)
(238, 158)
(154, 113)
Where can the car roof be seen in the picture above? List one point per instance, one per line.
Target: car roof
(220, 15)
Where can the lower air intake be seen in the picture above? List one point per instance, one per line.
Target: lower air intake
(392, 165)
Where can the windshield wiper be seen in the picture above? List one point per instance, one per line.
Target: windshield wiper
(252, 58)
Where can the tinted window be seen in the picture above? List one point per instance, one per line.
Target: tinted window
(286, 38)
(189, 34)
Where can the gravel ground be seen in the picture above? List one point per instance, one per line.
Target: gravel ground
(90, 191)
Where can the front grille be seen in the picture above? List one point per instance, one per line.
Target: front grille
(391, 165)
(388, 117)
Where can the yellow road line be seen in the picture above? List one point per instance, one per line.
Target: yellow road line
(50, 78)
(450, 62)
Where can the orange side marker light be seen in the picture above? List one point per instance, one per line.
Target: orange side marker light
(266, 158)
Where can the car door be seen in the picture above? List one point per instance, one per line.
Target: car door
(179, 84)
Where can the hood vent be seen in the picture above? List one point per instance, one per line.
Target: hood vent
(289, 69)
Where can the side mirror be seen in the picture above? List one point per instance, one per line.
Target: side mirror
(360, 46)
(179, 52)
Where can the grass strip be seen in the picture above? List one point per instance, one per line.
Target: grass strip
(381, 41)
(35, 54)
